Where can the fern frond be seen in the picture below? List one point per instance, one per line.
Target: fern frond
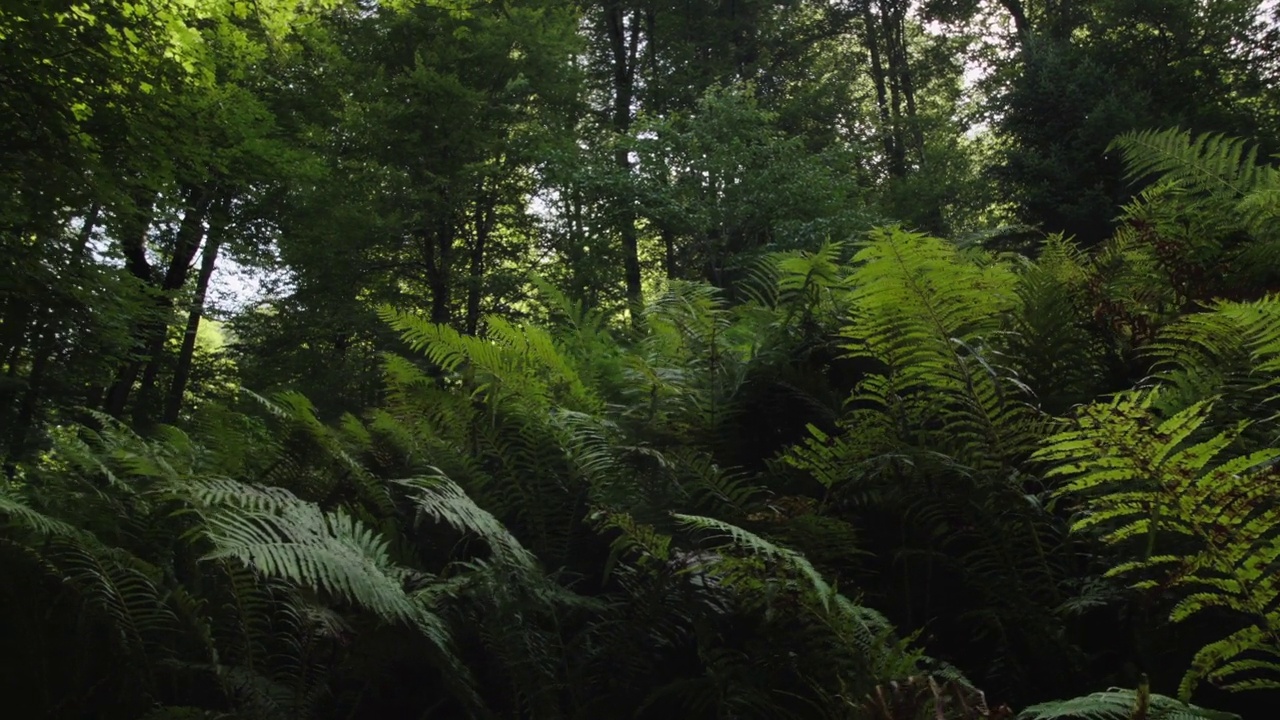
(1056, 354)
(23, 515)
(587, 322)
(1215, 172)
(932, 318)
(283, 537)
(1230, 352)
(757, 545)
(175, 712)
(1121, 705)
(1211, 163)
(443, 500)
(634, 537)
(128, 593)
(1142, 479)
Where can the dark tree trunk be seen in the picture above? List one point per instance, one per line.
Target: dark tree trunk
(888, 32)
(483, 221)
(1020, 23)
(437, 258)
(902, 70)
(133, 242)
(190, 234)
(878, 77)
(154, 331)
(133, 235)
(669, 251)
(624, 43)
(46, 336)
(218, 222)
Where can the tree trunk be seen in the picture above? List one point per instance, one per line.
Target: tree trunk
(624, 42)
(190, 234)
(903, 71)
(182, 372)
(155, 330)
(1020, 23)
(888, 30)
(669, 251)
(135, 223)
(483, 221)
(133, 241)
(437, 258)
(887, 134)
(46, 335)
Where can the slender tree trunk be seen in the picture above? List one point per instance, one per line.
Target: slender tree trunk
(669, 251)
(483, 221)
(190, 234)
(624, 42)
(14, 321)
(85, 236)
(46, 335)
(218, 222)
(133, 234)
(903, 71)
(437, 258)
(888, 30)
(133, 241)
(155, 331)
(887, 134)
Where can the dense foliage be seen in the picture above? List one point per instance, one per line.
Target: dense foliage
(867, 360)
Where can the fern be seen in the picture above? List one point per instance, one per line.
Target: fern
(128, 593)
(1117, 704)
(932, 319)
(442, 500)
(1210, 164)
(517, 361)
(759, 546)
(927, 695)
(23, 515)
(1231, 352)
(297, 541)
(1139, 479)
(1054, 349)
(1220, 183)
(313, 446)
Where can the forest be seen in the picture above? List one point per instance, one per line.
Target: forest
(651, 359)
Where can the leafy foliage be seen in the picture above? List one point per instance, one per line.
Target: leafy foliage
(582, 386)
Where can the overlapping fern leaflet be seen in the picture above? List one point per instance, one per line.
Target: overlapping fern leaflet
(1204, 519)
(547, 457)
(443, 500)
(135, 576)
(1211, 163)
(932, 317)
(1231, 351)
(517, 359)
(737, 570)
(1050, 345)
(757, 545)
(1221, 179)
(298, 541)
(1117, 704)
